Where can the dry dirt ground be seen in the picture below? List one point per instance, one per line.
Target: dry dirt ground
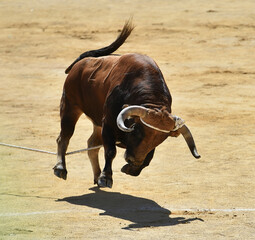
(205, 50)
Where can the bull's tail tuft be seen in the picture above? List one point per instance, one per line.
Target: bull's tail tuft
(127, 29)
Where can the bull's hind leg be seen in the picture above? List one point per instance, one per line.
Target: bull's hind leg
(69, 116)
(95, 140)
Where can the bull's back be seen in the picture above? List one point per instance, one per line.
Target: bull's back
(87, 85)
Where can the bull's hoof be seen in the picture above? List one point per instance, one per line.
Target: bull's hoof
(60, 172)
(131, 170)
(104, 181)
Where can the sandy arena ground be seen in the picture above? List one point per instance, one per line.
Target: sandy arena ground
(206, 51)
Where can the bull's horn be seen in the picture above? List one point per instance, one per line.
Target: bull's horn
(128, 112)
(157, 120)
(189, 139)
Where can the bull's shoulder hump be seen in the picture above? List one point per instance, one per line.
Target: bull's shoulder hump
(134, 56)
(138, 59)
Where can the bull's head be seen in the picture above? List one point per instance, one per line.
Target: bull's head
(148, 128)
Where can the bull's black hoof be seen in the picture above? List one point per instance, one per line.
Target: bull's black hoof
(104, 181)
(60, 172)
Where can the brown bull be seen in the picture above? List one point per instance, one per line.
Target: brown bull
(129, 104)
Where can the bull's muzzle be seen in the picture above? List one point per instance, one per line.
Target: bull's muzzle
(131, 169)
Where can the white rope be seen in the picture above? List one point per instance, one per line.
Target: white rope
(155, 128)
(178, 124)
(48, 152)
(84, 149)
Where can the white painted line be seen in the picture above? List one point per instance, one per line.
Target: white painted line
(43, 212)
(204, 210)
(172, 210)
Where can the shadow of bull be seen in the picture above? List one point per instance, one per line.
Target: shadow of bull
(141, 212)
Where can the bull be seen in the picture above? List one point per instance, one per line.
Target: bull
(129, 104)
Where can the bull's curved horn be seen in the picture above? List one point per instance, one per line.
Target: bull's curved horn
(134, 110)
(189, 140)
(149, 117)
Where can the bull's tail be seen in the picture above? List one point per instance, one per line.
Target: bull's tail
(127, 29)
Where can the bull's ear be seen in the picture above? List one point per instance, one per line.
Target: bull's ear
(125, 106)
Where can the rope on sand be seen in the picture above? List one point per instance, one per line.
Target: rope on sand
(48, 152)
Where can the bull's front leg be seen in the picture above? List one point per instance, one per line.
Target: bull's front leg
(105, 178)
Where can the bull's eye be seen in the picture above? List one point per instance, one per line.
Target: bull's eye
(138, 132)
(134, 137)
